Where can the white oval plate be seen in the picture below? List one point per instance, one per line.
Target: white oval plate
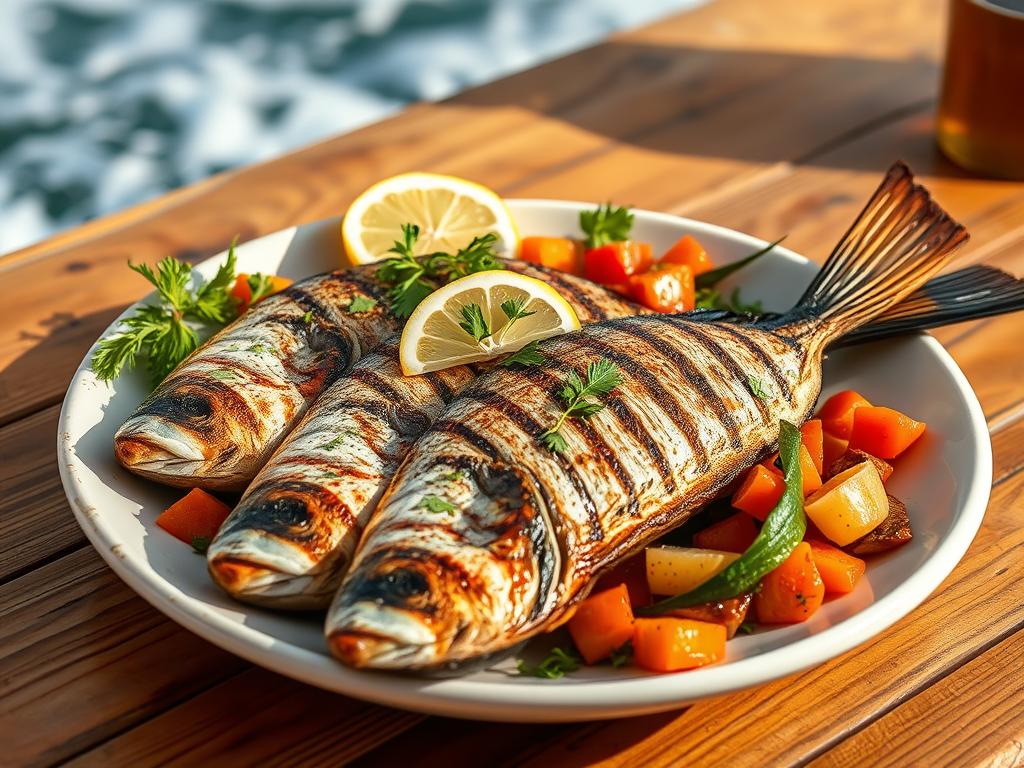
(945, 480)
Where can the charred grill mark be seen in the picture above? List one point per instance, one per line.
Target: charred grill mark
(371, 286)
(440, 387)
(723, 356)
(763, 357)
(575, 295)
(377, 383)
(651, 385)
(401, 577)
(470, 435)
(531, 426)
(667, 348)
(668, 402)
(309, 302)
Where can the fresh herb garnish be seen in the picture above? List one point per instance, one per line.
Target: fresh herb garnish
(607, 224)
(746, 628)
(622, 655)
(260, 286)
(361, 304)
(200, 544)
(711, 298)
(412, 278)
(713, 277)
(526, 356)
(308, 318)
(514, 309)
(474, 323)
(602, 377)
(435, 504)
(757, 387)
(335, 443)
(222, 374)
(167, 332)
(259, 349)
(554, 666)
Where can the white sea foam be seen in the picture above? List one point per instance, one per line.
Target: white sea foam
(109, 102)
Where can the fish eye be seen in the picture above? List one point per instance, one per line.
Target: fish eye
(178, 406)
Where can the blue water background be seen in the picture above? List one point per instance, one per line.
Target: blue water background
(104, 103)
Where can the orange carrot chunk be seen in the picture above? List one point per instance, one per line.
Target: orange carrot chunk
(670, 645)
(559, 253)
(194, 518)
(633, 573)
(792, 592)
(689, 252)
(602, 623)
(884, 432)
(733, 534)
(839, 571)
(759, 493)
(813, 437)
(833, 449)
(837, 413)
(808, 472)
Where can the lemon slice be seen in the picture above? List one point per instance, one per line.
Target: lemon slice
(434, 337)
(449, 211)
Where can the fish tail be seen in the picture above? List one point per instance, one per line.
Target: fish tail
(967, 294)
(901, 238)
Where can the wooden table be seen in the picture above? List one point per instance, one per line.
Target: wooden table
(769, 117)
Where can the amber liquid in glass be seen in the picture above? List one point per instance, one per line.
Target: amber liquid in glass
(981, 112)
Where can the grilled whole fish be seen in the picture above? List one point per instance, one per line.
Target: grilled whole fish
(289, 540)
(216, 419)
(527, 530)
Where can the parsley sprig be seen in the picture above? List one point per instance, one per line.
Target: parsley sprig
(607, 224)
(412, 278)
(166, 332)
(474, 323)
(528, 355)
(579, 397)
(435, 504)
(554, 666)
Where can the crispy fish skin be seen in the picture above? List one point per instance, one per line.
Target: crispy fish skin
(288, 542)
(214, 421)
(528, 530)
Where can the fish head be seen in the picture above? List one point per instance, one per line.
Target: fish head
(434, 588)
(278, 547)
(188, 429)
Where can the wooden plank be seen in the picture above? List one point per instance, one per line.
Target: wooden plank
(794, 719)
(35, 520)
(664, 112)
(970, 718)
(272, 721)
(82, 658)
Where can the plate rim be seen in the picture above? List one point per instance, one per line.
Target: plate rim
(554, 701)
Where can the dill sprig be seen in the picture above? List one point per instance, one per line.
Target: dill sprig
(166, 332)
(578, 395)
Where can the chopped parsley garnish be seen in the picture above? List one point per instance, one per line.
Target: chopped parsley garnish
(435, 504)
(526, 356)
(474, 323)
(514, 309)
(200, 544)
(361, 304)
(260, 286)
(757, 387)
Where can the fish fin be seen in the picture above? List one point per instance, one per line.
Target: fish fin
(967, 294)
(901, 238)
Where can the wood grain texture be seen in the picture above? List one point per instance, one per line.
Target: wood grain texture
(772, 118)
(973, 717)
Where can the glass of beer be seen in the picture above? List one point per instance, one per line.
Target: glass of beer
(981, 112)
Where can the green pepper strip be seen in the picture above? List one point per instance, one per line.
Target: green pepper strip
(713, 277)
(783, 529)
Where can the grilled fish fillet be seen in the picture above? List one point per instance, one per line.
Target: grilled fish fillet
(528, 530)
(289, 540)
(216, 419)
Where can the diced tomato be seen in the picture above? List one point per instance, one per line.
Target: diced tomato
(733, 534)
(613, 263)
(559, 253)
(668, 288)
(688, 251)
(602, 623)
(884, 432)
(837, 413)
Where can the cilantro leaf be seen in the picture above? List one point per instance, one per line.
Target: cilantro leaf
(435, 504)
(361, 304)
(554, 666)
(607, 224)
(474, 323)
(603, 376)
(526, 356)
(200, 544)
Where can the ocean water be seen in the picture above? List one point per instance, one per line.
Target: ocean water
(104, 103)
